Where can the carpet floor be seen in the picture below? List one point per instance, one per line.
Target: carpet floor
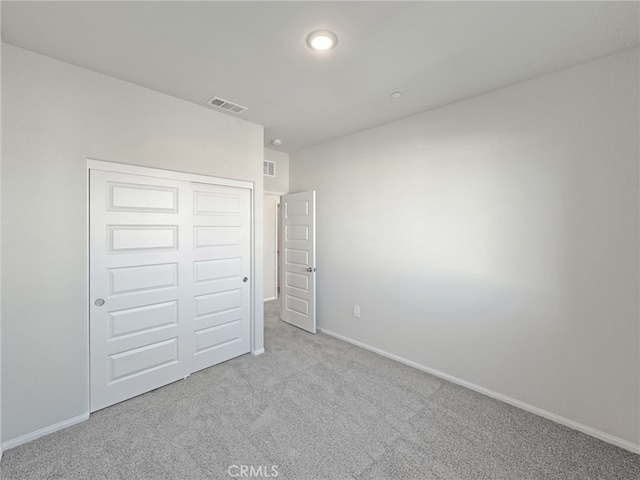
(314, 407)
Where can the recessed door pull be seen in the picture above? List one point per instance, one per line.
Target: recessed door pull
(99, 302)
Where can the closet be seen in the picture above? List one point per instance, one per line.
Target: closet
(169, 266)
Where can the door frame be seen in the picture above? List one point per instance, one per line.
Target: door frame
(116, 167)
(277, 239)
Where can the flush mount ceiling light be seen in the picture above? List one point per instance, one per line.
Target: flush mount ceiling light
(396, 94)
(322, 40)
(276, 141)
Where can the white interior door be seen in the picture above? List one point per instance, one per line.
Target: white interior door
(138, 309)
(298, 296)
(169, 287)
(221, 268)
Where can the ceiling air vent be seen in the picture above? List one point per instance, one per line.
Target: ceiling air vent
(226, 105)
(269, 168)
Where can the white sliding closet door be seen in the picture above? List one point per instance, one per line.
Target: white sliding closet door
(139, 294)
(221, 246)
(168, 295)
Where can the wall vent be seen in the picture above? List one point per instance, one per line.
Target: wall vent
(269, 168)
(226, 105)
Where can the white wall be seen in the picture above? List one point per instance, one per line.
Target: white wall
(55, 116)
(279, 183)
(496, 240)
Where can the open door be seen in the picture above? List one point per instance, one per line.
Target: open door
(298, 289)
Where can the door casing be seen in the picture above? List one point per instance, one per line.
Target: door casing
(272, 255)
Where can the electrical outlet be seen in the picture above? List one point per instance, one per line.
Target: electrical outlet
(356, 311)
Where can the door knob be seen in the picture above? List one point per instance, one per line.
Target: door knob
(245, 279)
(99, 302)
(310, 269)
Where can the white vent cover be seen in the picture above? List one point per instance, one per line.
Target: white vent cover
(269, 168)
(226, 105)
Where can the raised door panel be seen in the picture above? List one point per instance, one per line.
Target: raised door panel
(216, 203)
(141, 320)
(129, 197)
(140, 278)
(142, 238)
(135, 362)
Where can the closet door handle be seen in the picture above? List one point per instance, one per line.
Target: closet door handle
(245, 279)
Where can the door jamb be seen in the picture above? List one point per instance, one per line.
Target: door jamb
(277, 228)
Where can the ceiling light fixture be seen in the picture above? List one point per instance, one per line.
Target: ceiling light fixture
(276, 141)
(322, 40)
(396, 94)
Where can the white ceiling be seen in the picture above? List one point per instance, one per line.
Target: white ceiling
(254, 53)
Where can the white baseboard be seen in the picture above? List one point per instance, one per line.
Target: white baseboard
(605, 437)
(255, 353)
(44, 431)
